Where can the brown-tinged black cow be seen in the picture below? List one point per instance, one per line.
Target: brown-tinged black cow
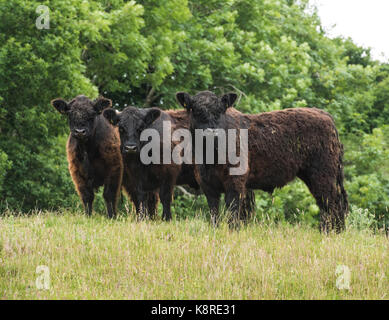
(164, 176)
(282, 145)
(93, 150)
(151, 177)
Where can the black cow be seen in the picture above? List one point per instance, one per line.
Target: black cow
(282, 145)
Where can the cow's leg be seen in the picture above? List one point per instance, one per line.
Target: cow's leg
(213, 200)
(83, 185)
(112, 187)
(87, 196)
(142, 204)
(131, 191)
(152, 202)
(135, 200)
(248, 206)
(166, 195)
(213, 204)
(329, 198)
(234, 200)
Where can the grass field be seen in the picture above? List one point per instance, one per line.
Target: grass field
(96, 258)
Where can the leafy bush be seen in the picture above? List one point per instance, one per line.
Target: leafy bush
(367, 173)
(293, 203)
(185, 206)
(360, 219)
(5, 164)
(370, 192)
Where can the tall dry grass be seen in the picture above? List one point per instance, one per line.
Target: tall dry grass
(97, 258)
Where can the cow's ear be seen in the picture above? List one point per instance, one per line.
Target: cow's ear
(101, 103)
(184, 99)
(228, 100)
(61, 105)
(151, 115)
(112, 115)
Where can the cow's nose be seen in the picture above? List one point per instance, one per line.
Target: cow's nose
(129, 148)
(80, 132)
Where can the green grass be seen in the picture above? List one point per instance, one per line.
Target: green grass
(97, 258)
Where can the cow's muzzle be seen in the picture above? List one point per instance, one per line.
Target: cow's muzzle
(130, 149)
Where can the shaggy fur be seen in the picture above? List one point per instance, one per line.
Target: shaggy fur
(144, 201)
(93, 151)
(282, 145)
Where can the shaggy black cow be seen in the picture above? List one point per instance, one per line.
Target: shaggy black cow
(151, 177)
(93, 150)
(282, 145)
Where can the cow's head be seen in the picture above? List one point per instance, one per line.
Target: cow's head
(131, 122)
(206, 110)
(81, 113)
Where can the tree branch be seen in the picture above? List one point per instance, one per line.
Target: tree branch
(151, 98)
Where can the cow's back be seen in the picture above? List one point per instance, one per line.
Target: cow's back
(282, 143)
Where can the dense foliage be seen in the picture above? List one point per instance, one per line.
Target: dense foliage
(274, 53)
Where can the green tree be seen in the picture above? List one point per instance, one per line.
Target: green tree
(35, 67)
